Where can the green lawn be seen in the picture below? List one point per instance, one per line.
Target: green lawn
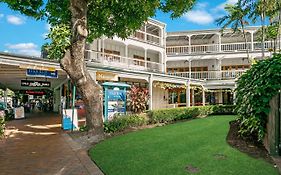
(169, 149)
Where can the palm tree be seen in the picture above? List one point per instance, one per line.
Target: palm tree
(236, 19)
(263, 9)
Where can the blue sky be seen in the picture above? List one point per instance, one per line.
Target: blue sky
(23, 35)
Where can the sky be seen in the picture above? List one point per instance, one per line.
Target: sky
(23, 35)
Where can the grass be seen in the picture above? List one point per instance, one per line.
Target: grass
(169, 149)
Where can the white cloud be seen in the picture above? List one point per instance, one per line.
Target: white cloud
(21, 46)
(200, 17)
(221, 6)
(1, 15)
(24, 48)
(48, 27)
(15, 20)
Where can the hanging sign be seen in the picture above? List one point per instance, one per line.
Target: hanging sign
(106, 76)
(36, 67)
(41, 73)
(31, 83)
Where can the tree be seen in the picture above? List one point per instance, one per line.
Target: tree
(90, 19)
(236, 19)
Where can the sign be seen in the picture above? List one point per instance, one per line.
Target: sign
(27, 66)
(106, 76)
(41, 73)
(31, 83)
(67, 123)
(116, 103)
(34, 92)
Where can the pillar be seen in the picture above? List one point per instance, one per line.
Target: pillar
(192, 96)
(189, 67)
(203, 97)
(220, 97)
(252, 40)
(145, 57)
(219, 35)
(188, 94)
(103, 45)
(219, 74)
(189, 44)
(126, 51)
(150, 90)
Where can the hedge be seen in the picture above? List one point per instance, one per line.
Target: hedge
(119, 123)
(174, 114)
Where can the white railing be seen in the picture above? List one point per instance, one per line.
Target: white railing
(122, 62)
(211, 75)
(224, 47)
(141, 35)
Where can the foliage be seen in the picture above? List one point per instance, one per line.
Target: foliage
(138, 98)
(2, 126)
(60, 36)
(121, 122)
(254, 90)
(84, 128)
(174, 114)
(168, 150)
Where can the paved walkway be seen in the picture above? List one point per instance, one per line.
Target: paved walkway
(37, 146)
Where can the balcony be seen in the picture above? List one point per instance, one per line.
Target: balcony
(211, 75)
(147, 37)
(122, 62)
(216, 48)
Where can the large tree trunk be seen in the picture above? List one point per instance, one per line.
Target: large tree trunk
(74, 64)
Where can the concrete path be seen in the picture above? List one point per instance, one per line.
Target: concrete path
(37, 146)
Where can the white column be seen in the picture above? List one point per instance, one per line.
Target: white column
(188, 94)
(145, 57)
(60, 101)
(252, 40)
(150, 90)
(219, 35)
(219, 74)
(145, 35)
(220, 97)
(189, 67)
(189, 44)
(234, 94)
(103, 45)
(192, 96)
(126, 50)
(203, 97)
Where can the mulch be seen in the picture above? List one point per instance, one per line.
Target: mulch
(247, 145)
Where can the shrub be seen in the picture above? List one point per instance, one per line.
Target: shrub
(138, 98)
(121, 122)
(174, 114)
(2, 126)
(254, 91)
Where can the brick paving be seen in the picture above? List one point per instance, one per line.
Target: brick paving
(37, 146)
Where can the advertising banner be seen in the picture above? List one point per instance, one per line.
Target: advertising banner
(116, 102)
(41, 73)
(31, 83)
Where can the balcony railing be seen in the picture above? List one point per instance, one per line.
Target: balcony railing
(213, 48)
(211, 75)
(147, 37)
(122, 62)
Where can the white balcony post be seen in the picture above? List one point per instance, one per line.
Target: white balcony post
(145, 58)
(252, 40)
(203, 97)
(219, 35)
(189, 44)
(189, 68)
(150, 91)
(188, 93)
(192, 97)
(219, 75)
(126, 51)
(145, 35)
(103, 56)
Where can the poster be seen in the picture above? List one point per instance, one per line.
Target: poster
(116, 103)
(19, 112)
(67, 119)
